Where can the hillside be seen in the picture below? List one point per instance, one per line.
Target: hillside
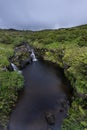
(65, 47)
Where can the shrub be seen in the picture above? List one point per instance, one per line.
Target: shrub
(10, 83)
(82, 41)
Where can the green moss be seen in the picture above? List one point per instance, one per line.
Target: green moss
(77, 119)
(5, 53)
(10, 83)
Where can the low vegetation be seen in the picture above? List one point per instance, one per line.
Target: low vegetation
(10, 84)
(67, 48)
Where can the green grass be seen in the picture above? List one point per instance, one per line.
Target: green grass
(10, 84)
(67, 48)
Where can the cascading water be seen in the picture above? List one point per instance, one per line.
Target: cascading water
(15, 68)
(33, 57)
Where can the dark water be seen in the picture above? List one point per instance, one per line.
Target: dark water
(44, 91)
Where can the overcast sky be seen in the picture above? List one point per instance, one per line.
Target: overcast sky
(42, 14)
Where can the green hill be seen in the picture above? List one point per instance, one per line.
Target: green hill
(65, 47)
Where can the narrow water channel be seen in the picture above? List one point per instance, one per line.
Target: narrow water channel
(44, 92)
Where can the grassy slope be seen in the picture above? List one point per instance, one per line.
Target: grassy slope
(10, 84)
(66, 47)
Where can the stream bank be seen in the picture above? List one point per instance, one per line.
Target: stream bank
(66, 59)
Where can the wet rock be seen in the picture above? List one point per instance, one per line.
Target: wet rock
(10, 67)
(63, 103)
(21, 55)
(23, 63)
(50, 118)
(3, 69)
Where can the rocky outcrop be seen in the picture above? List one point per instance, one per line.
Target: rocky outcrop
(50, 118)
(21, 55)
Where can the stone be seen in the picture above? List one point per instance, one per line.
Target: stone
(23, 63)
(21, 55)
(50, 118)
(3, 69)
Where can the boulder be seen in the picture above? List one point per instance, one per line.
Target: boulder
(50, 118)
(21, 55)
(23, 63)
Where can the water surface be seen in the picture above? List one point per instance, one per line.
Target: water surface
(44, 90)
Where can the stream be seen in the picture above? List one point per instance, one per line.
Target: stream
(45, 93)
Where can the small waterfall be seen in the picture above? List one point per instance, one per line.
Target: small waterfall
(33, 57)
(15, 68)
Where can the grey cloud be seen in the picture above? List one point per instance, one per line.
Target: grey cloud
(42, 14)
